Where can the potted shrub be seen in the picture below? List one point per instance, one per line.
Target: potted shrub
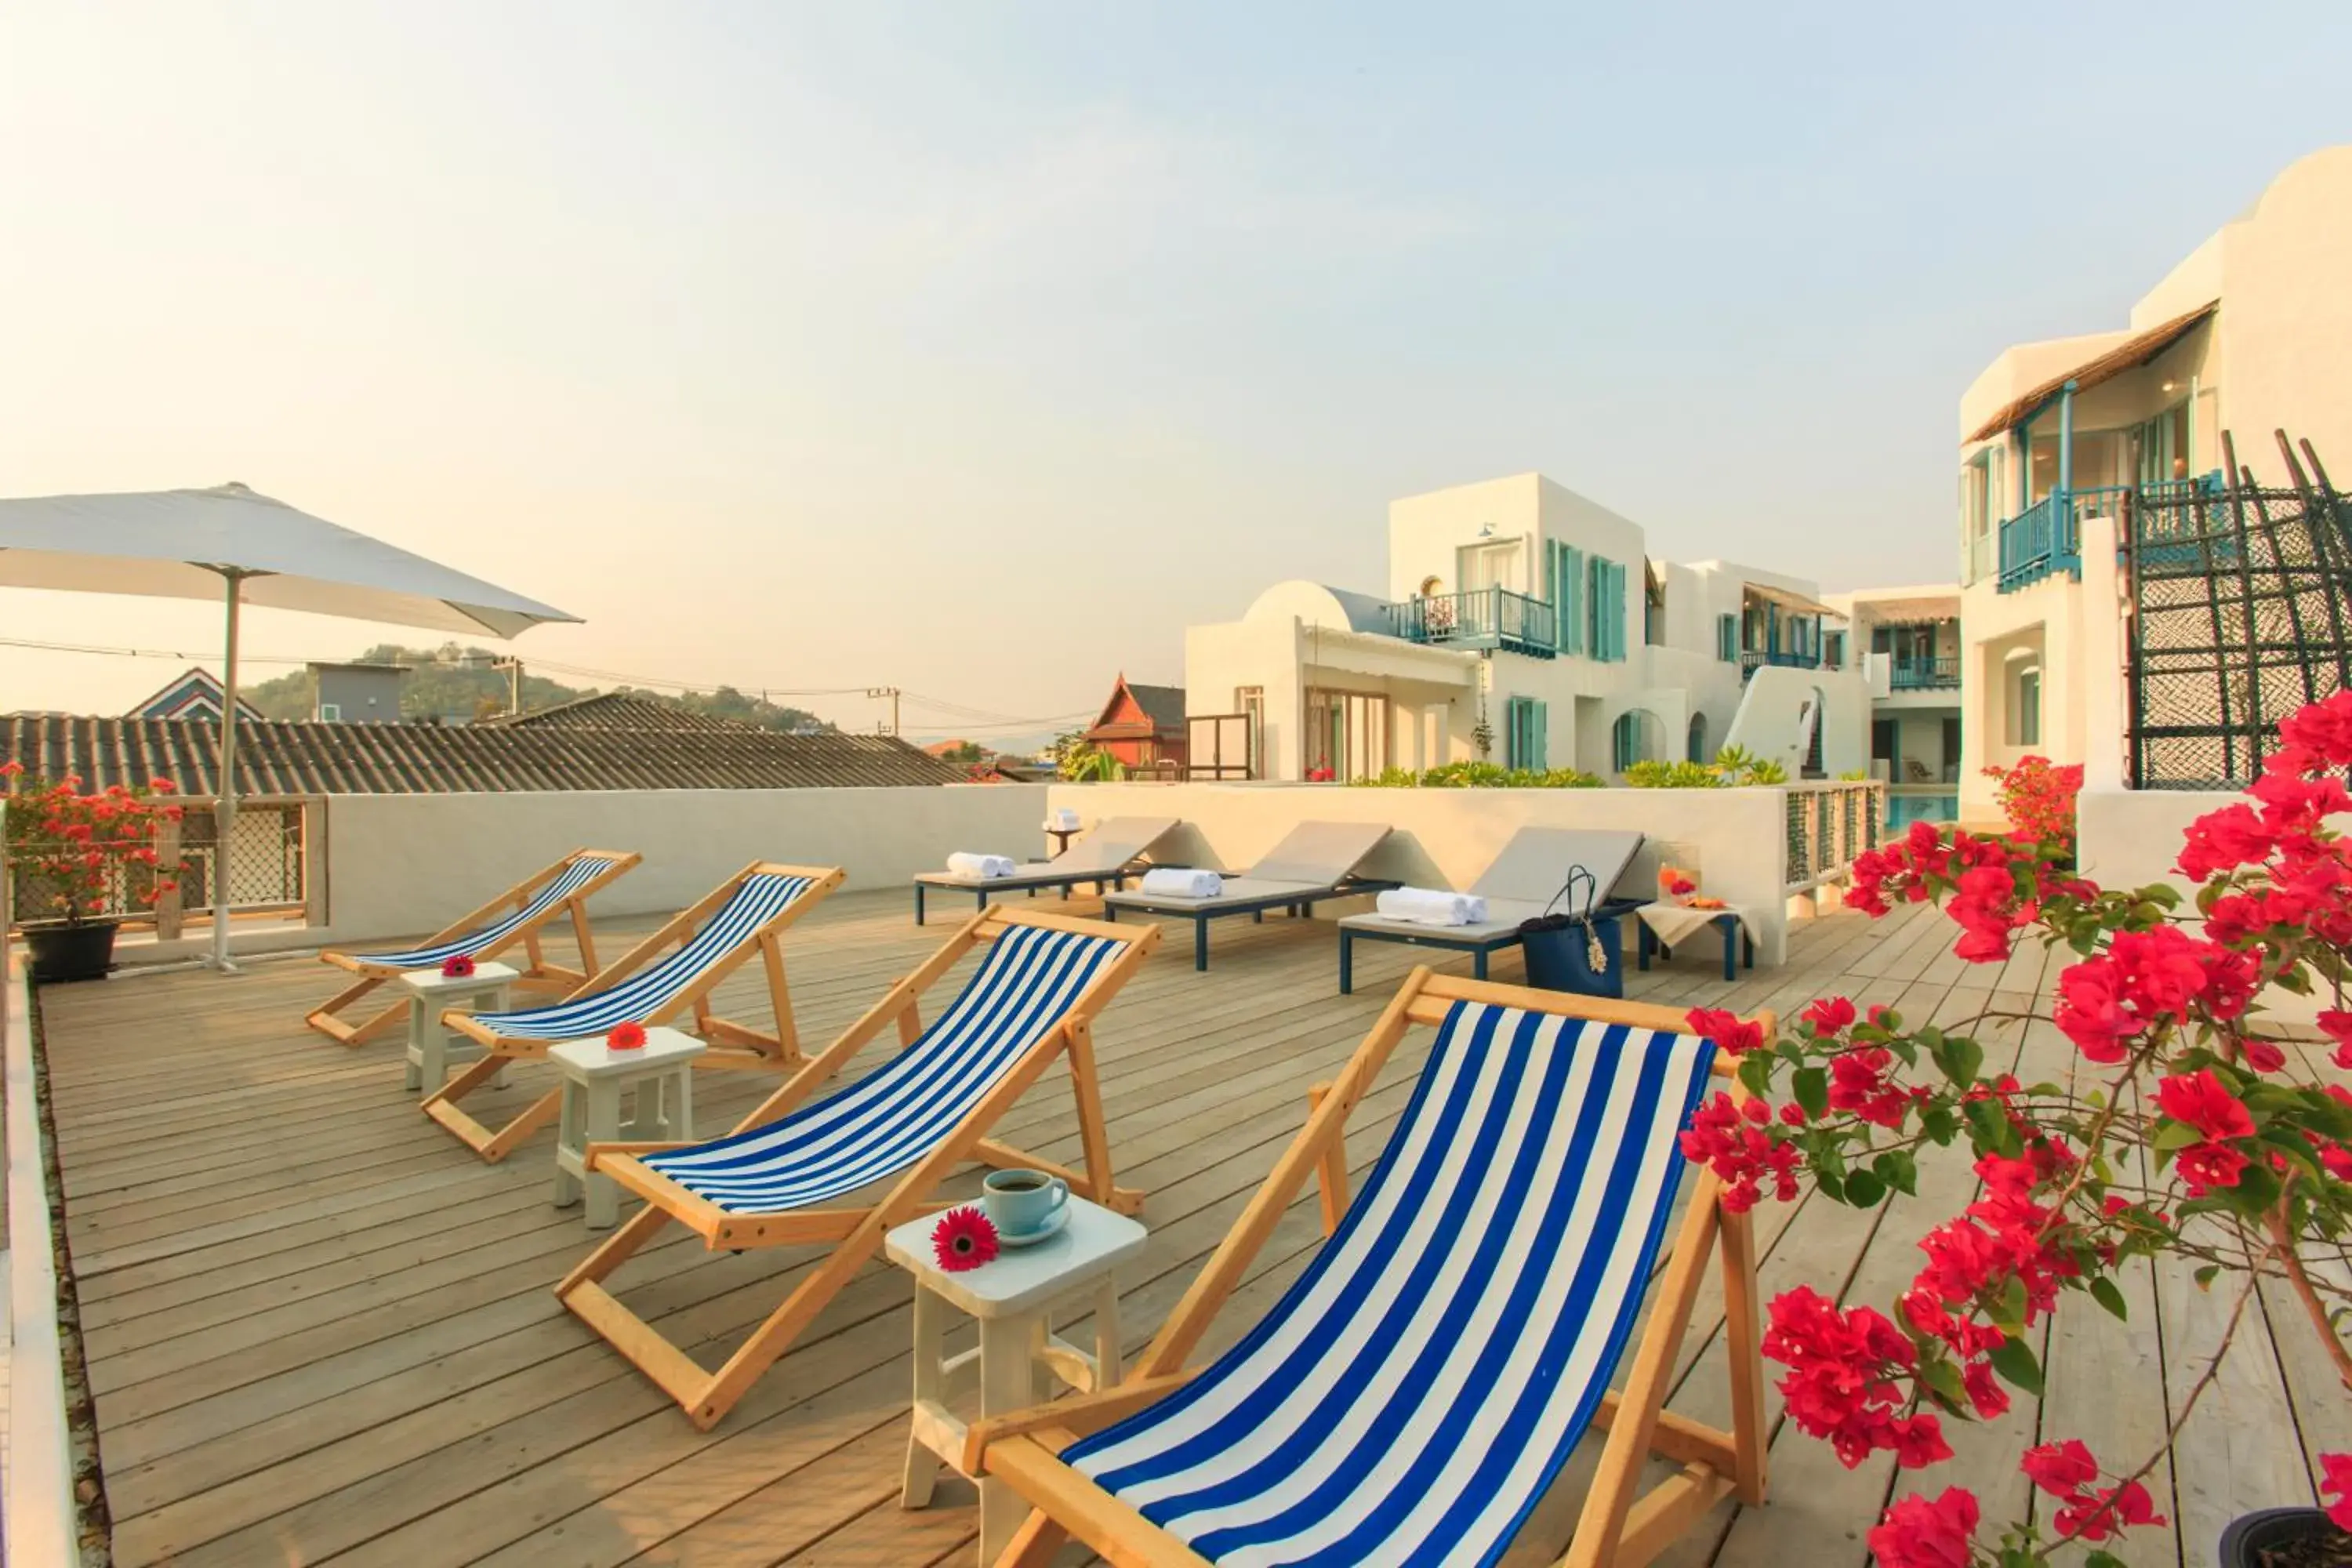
(2195, 1129)
(77, 860)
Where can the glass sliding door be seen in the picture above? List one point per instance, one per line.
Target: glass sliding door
(1347, 731)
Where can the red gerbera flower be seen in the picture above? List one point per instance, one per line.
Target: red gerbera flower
(626, 1036)
(456, 966)
(964, 1238)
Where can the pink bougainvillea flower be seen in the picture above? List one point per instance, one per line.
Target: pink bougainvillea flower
(1918, 1533)
(2335, 1471)
(1731, 1033)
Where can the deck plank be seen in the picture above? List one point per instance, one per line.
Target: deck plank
(320, 1330)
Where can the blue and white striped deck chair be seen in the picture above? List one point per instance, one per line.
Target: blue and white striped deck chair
(1413, 1396)
(745, 914)
(514, 916)
(778, 1179)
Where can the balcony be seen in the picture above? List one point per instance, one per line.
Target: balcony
(1752, 659)
(2047, 537)
(1924, 674)
(1480, 619)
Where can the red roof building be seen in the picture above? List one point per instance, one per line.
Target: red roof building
(1142, 726)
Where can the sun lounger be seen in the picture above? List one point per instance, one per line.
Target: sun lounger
(776, 1180)
(1412, 1397)
(1532, 868)
(746, 914)
(1316, 861)
(1104, 856)
(482, 935)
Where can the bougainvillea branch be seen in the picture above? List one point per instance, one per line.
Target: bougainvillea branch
(2184, 1132)
(77, 855)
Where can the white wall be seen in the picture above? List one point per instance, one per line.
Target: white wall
(1736, 838)
(400, 864)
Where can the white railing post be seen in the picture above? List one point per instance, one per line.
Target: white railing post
(42, 1524)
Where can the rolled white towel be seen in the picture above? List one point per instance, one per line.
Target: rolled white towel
(1182, 882)
(984, 867)
(1432, 907)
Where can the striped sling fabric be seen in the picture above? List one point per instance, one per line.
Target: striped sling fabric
(1408, 1400)
(894, 1116)
(760, 900)
(575, 876)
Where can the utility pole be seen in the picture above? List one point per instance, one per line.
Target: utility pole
(513, 667)
(892, 693)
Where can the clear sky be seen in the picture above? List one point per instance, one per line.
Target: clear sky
(979, 349)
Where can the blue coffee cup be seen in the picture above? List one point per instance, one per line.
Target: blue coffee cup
(1020, 1203)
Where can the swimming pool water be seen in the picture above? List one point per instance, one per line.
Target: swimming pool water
(1902, 810)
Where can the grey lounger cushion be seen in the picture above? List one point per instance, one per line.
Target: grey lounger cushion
(1111, 846)
(1531, 869)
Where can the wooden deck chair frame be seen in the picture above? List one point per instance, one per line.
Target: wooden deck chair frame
(854, 1234)
(538, 973)
(733, 1045)
(1615, 1529)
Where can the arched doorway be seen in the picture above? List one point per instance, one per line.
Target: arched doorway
(1697, 750)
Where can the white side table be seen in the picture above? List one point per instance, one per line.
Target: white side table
(660, 1075)
(1020, 1357)
(431, 1051)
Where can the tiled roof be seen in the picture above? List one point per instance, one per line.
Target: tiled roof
(614, 711)
(195, 693)
(1164, 704)
(424, 759)
(1163, 713)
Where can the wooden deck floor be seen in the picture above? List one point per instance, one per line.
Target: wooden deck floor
(319, 1330)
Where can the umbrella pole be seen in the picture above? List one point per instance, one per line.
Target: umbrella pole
(224, 813)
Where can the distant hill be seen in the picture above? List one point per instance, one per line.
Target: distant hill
(454, 682)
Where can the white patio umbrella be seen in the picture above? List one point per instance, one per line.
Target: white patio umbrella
(241, 547)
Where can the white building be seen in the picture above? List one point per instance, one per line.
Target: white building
(2251, 333)
(1909, 642)
(1527, 625)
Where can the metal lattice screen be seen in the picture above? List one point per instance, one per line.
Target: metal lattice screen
(2241, 614)
(265, 852)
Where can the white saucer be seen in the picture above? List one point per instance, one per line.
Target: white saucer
(1052, 1228)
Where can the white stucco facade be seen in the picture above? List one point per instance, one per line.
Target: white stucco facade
(1517, 605)
(2266, 346)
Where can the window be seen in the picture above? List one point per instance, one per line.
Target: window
(330, 712)
(1489, 565)
(1249, 701)
(2028, 707)
(1606, 635)
(1697, 750)
(1833, 650)
(1726, 639)
(1625, 742)
(1525, 741)
(1347, 731)
(1565, 581)
(1654, 607)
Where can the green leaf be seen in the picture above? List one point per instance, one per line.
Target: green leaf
(2256, 1191)
(1898, 1169)
(1990, 1129)
(1812, 1087)
(2207, 1275)
(1967, 1059)
(2104, 1291)
(2174, 1135)
(1943, 1381)
(2102, 1560)
(1863, 1189)
(1756, 1074)
(2017, 1366)
(2011, 1310)
(1939, 1125)
(1830, 1185)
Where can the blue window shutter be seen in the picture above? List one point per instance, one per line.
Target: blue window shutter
(1542, 748)
(1571, 593)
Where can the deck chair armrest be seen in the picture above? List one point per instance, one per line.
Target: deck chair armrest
(1080, 1417)
(1331, 1170)
(588, 1156)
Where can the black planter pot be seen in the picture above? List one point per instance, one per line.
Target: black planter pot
(61, 951)
(2253, 1533)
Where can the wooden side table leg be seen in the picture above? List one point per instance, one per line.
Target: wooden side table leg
(418, 1008)
(1008, 1382)
(1108, 1367)
(922, 1471)
(567, 1139)
(603, 1097)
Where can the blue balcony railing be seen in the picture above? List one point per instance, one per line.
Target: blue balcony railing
(2047, 537)
(1752, 659)
(1916, 674)
(1479, 618)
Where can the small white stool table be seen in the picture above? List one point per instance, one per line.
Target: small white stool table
(660, 1074)
(431, 1051)
(1020, 1357)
